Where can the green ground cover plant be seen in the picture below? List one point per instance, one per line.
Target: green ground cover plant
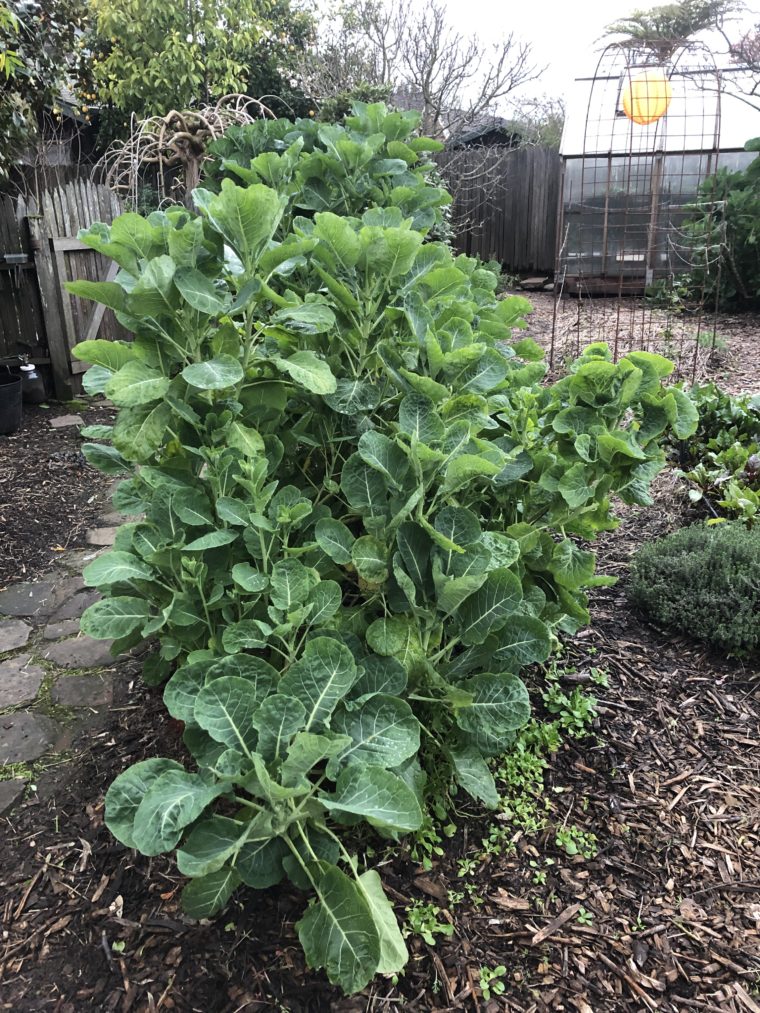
(721, 461)
(355, 510)
(703, 581)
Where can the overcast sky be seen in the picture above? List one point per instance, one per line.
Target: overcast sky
(564, 33)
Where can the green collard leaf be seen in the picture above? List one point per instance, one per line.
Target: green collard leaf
(206, 896)
(321, 677)
(308, 371)
(393, 951)
(307, 750)
(418, 418)
(153, 294)
(173, 801)
(335, 232)
(105, 459)
(574, 485)
(247, 217)
(291, 582)
(465, 469)
(245, 635)
(259, 862)
(139, 431)
(460, 527)
(245, 666)
(473, 773)
(528, 349)
(209, 844)
(249, 578)
(325, 599)
(353, 397)
(213, 540)
(111, 355)
(686, 417)
(383, 731)
(370, 557)
(381, 675)
(393, 636)
(224, 708)
(95, 379)
(363, 487)
(571, 566)
(199, 292)
(619, 443)
(109, 293)
(338, 932)
(452, 591)
(489, 607)
(182, 689)
(115, 568)
(214, 374)
(334, 539)
(503, 550)
(125, 794)
(245, 439)
(524, 640)
(378, 796)
(117, 617)
(593, 383)
(193, 508)
(308, 318)
(385, 456)
(388, 252)
(414, 548)
(500, 705)
(277, 720)
(233, 511)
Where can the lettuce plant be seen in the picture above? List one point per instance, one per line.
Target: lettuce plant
(352, 504)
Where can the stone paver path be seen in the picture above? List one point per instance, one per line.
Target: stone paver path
(54, 681)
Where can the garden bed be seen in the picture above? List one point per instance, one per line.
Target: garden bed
(665, 916)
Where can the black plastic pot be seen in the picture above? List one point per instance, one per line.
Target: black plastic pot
(10, 402)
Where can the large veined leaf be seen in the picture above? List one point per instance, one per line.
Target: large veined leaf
(308, 371)
(370, 557)
(487, 609)
(418, 418)
(173, 801)
(199, 291)
(334, 539)
(383, 732)
(153, 294)
(338, 932)
(208, 895)
(247, 217)
(245, 666)
(363, 487)
(259, 862)
(377, 795)
(308, 749)
(321, 677)
(337, 235)
(291, 582)
(463, 470)
(393, 951)
(353, 397)
(127, 792)
(500, 705)
(245, 439)
(308, 318)
(182, 689)
(572, 567)
(524, 640)
(574, 485)
(460, 527)
(95, 379)
(209, 844)
(414, 547)
(325, 600)
(114, 568)
(380, 675)
(384, 456)
(249, 578)
(113, 618)
(214, 374)
(213, 540)
(136, 384)
(278, 719)
(474, 775)
(246, 635)
(393, 636)
(109, 293)
(140, 430)
(110, 355)
(193, 508)
(225, 708)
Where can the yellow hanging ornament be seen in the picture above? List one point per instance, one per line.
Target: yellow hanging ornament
(647, 96)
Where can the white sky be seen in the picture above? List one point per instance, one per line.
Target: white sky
(564, 33)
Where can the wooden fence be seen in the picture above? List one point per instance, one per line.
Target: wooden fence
(506, 203)
(39, 252)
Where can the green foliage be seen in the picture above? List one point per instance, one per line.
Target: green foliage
(721, 461)
(351, 509)
(36, 45)
(423, 919)
(492, 981)
(148, 56)
(723, 236)
(703, 581)
(666, 27)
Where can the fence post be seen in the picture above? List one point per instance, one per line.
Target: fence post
(47, 280)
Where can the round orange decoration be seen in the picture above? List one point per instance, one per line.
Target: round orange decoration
(647, 96)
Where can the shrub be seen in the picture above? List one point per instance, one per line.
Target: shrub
(356, 510)
(703, 581)
(721, 461)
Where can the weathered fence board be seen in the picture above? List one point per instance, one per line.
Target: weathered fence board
(506, 202)
(38, 317)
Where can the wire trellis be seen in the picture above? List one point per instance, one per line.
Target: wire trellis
(628, 195)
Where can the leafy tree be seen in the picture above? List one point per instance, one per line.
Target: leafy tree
(146, 57)
(664, 29)
(36, 44)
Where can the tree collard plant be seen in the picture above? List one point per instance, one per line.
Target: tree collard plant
(352, 513)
